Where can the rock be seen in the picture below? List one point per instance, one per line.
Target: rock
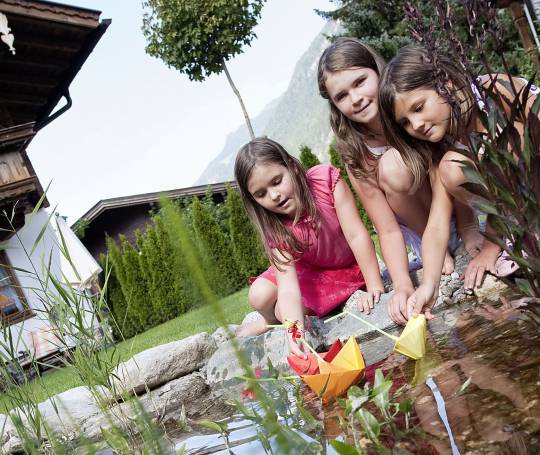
(164, 403)
(272, 345)
(9, 440)
(151, 368)
(220, 335)
(66, 412)
(491, 289)
(346, 326)
(251, 317)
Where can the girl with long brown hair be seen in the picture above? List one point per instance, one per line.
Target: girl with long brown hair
(319, 250)
(396, 202)
(430, 107)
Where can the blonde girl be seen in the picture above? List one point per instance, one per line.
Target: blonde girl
(429, 107)
(319, 250)
(397, 204)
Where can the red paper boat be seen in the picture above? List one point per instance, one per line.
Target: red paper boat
(310, 365)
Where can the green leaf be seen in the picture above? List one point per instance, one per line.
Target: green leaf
(342, 448)
(220, 427)
(42, 231)
(370, 424)
(405, 406)
(39, 204)
(463, 386)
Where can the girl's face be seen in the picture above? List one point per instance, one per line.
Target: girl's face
(423, 113)
(271, 186)
(354, 92)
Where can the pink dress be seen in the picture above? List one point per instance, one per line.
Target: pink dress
(327, 270)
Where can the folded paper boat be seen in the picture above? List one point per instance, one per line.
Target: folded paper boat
(338, 369)
(412, 341)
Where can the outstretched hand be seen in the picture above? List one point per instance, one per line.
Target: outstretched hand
(422, 300)
(483, 262)
(368, 300)
(296, 347)
(397, 305)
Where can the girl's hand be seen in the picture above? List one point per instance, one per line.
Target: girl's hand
(482, 263)
(296, 346)
(295, 336)
(422, 300)
(397, 306)
(368, 300)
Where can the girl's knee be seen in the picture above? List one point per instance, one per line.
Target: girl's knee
(262, 294)
(394, 176)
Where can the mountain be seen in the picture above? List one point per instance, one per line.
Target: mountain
(298, 117)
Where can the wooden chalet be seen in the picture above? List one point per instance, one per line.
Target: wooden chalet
(44, 44)
(125, 215)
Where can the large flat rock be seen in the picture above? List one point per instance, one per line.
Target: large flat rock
(154, 367)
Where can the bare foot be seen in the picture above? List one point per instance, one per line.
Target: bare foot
(257, 327)
(448, 265)
(472, 239)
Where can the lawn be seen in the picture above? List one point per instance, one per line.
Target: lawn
(198, 320)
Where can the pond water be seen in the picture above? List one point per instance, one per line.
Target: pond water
(486, 366)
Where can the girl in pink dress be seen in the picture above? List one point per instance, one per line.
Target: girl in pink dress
(319, 250)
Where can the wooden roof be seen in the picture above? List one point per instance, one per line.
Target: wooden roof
(148, 198)
(52, 42)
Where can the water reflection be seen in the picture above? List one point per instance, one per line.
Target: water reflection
(497, 352)
(487, 367)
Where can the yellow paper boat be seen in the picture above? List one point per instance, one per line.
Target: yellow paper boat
(335, 377)
(412, 341)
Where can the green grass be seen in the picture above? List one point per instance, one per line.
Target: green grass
(198, 320)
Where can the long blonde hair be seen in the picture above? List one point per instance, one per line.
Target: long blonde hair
(412, 68)
(343, 54)
(271, 226)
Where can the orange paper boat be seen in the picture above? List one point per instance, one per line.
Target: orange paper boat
(336, 376)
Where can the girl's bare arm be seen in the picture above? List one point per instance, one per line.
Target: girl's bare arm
(437, 232)
(434, 244)
(289, 301)
(390, 237)
(357, 236)
(392, 244)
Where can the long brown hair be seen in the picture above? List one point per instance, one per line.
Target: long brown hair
(412, 68)
(343, 54)
(271, 226)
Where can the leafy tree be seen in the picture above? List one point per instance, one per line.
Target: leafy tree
(248, 251)
(199, 37)
(385, 27)
(219, 259)
(307, 157)
(335, 160)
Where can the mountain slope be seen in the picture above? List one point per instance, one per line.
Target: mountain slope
(298, 117)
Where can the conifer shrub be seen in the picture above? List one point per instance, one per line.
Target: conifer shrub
(335, 160)
(114, 297)
(218, 256)
(248, 250)
(134, 287)
(115, 293)
(307, 157)
(170, 285)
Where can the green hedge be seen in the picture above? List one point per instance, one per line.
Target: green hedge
(149, 283)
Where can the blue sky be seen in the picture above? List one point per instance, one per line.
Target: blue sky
(137, 126)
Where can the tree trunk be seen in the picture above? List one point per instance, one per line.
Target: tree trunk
(237, 93)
